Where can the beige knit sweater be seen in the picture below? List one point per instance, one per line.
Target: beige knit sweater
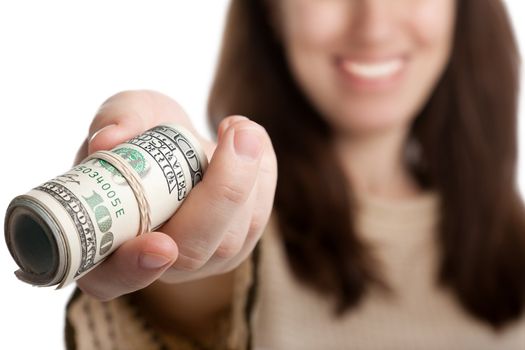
(286, 315)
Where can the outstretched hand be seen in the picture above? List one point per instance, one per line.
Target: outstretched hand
(218, 224)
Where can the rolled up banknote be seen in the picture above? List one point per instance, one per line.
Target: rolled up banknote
(63, 228)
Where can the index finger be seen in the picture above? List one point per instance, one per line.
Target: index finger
(129, 113)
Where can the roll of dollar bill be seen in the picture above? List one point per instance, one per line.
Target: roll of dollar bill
(63, 228)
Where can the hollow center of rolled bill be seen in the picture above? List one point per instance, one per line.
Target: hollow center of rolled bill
(34, 249)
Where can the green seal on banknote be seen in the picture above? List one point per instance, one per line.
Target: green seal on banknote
(132, 156)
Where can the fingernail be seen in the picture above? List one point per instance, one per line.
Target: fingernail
(247, 143)
(152, 261)
(226, 124)
(99, 131)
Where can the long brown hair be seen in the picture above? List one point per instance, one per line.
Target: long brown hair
(467, 132)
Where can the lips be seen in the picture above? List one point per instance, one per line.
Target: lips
(372, 72)
(375, 70)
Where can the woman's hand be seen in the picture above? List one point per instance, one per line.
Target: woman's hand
(218, 224)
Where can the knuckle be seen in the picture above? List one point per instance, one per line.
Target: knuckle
(229, 248)
(190, 261)
(234, 263)
(256, 227)
(231, 192)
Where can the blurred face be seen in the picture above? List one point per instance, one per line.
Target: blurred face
(367, 65)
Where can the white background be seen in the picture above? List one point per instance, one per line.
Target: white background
(59, 60)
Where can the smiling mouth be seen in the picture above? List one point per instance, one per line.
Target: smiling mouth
(373, 70)
(372, 74)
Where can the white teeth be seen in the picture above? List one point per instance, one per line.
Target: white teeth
(373, 70)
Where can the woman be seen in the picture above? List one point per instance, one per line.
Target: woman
(397, 223)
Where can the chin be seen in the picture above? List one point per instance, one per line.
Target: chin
(360, 122)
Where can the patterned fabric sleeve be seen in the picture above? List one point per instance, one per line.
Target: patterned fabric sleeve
(118, 324)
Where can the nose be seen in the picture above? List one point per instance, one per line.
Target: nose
(373, 21)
